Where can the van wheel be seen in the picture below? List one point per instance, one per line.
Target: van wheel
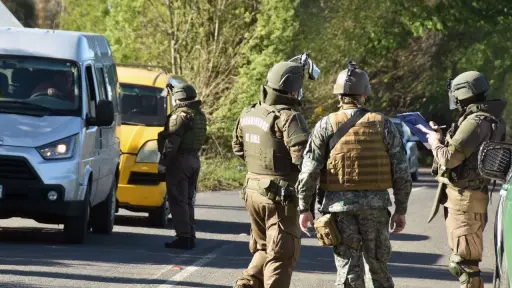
(77, 227)
(158, 218)
(104, 214)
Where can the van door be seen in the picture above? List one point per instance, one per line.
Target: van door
(107, 140)
(92, 138)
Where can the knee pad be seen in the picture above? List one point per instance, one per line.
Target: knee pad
(458, 268)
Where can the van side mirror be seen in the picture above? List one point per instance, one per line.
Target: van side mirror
(494, 159)
(104, 114)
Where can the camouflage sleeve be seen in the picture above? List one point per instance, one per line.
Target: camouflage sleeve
(402, 182)
(295, 135)
(466, 140)
(178, 124)
(314, 160)
(237, 143)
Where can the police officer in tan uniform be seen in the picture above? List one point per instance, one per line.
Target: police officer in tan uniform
(270, 137)
(463, 191)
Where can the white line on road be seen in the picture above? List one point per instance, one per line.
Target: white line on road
(190, 269)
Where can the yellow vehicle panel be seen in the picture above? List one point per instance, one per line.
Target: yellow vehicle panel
(138, 182)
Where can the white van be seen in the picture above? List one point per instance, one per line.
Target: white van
(59, 154)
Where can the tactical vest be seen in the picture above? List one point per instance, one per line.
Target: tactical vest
(466, 175)
(265, 153)
(193, 138)
(360, 160)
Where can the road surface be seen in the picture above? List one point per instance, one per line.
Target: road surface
(34, 255)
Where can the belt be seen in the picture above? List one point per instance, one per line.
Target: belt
(267, 187)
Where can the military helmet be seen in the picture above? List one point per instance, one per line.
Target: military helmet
(286, 76)
(467, 87)
(184, 91)
(352, 81)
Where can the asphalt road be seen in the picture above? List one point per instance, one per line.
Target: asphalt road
(34, 255)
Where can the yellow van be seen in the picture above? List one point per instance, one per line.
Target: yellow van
(144, 110)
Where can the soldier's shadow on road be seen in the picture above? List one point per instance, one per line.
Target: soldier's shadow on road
(202, 225)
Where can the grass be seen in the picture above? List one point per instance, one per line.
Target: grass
(221, 174)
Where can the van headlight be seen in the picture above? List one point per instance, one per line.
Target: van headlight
(60, 149)
(148, 153)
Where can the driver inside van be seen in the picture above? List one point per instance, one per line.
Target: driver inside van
(60, 85)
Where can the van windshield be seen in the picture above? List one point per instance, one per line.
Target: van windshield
(39, 85)
(142, 105)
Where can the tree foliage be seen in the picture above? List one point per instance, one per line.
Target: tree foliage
(225, 47)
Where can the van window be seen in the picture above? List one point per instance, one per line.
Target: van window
(91, 92)
(111, 85)
(44, 85)
(102, 89)
(142, 105)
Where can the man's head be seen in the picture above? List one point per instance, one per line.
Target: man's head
(184, 92)
(352, 85)
(286, 78)
(467, 88)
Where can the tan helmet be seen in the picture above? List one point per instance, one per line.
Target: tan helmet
(357, 82)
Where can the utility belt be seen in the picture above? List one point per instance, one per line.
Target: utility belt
(278, 191)
(327, 233)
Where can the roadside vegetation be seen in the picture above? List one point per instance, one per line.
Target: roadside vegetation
(225, 47)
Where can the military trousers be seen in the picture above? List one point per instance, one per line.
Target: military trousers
(181, 180)
(364, 233)
(275, 243)
(465, 237)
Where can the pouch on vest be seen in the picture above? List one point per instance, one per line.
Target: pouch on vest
(326, 231)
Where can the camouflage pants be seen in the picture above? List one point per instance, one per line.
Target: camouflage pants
(370, 229)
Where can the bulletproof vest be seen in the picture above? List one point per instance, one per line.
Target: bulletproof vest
(265, 152)
(194, 137)
(466, 175)
(360, 160)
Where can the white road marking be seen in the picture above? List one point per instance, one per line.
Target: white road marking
(418, 188)
(190, 269)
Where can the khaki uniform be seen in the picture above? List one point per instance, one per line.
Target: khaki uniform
(185, 135)
(271, 139)
(463, 191)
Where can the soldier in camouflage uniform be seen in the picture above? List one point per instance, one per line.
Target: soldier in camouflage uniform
(179, 144)
(463, 191)
(355, 176)
(270, 137)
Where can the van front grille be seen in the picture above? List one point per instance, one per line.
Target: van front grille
(146, 179)
(16, 168)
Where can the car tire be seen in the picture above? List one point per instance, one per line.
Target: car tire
(76, 228)
(104, 214)
(414, 176)
(158, 217)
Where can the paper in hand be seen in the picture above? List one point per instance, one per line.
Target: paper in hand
(418, 126)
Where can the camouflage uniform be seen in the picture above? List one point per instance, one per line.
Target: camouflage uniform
(270, 137)
(362, 217)
(180, 143)
(463, 191)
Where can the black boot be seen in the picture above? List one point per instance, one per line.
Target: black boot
(181, 243)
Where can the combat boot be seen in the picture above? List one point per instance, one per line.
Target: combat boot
(475, 282)
(181, 243)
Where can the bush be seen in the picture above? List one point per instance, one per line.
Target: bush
(219, 173)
